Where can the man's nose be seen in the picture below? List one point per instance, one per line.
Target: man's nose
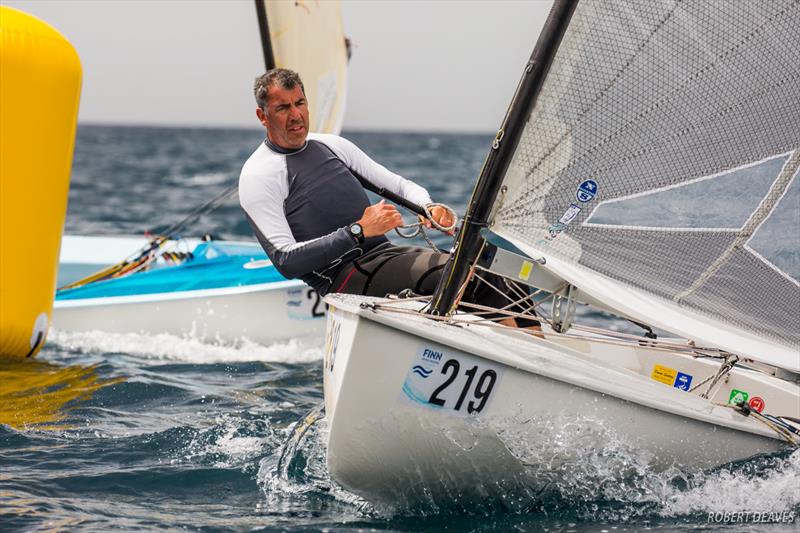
(294, 112)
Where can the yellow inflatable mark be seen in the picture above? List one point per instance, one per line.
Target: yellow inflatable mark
(40, 83)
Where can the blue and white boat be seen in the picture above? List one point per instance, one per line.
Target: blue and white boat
(220, 290)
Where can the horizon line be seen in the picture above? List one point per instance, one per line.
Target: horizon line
(252, 128)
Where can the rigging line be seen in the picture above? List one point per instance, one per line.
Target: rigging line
(779, 427)
(419, 228)
(623, 335)
(203, 209)
(457, 320)
(616, 338)
(724, 369)
(142, 257)
(763, 210)
(495, 289)
(611, 339)
(121, 267)
(534, 304)
(507, 297)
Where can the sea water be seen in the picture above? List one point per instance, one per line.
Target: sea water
(142, 432)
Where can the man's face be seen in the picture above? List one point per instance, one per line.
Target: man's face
(286, 118)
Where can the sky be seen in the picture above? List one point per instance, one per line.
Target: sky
(449, 65)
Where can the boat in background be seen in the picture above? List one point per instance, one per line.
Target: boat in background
(215, 290)
(647, 167)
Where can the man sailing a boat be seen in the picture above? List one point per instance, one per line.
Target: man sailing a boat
(308, 209)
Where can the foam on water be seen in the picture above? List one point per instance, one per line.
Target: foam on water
(165, 347)
(230, 442)
(289, 474)
(766, 484)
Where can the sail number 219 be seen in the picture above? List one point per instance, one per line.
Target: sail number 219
(473, 398)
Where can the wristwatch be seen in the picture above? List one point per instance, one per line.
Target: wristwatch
(357, 232)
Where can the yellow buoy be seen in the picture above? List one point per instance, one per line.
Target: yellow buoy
(40, 84)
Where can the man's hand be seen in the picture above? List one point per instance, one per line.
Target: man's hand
(441, 216)
(380, 218)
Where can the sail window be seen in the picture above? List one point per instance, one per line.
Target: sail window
(777, 240)
(721, 201)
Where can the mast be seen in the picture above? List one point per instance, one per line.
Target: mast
(263, 27)
(469, 242)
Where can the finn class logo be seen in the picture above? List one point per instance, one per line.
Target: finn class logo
(432, 355)
(421, 371)
(586, 191)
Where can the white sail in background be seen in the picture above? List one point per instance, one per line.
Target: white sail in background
(658, 171)
(308, 37)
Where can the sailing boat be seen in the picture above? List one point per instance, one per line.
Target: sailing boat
(219, 289)
(646, 167)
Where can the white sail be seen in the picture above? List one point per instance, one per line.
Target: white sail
(658, 169)
(308, 37)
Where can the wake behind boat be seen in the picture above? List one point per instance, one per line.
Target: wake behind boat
(647, 167)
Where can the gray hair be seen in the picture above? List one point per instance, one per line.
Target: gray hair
(283, 77)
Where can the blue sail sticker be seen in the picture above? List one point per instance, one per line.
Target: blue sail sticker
(586, 191)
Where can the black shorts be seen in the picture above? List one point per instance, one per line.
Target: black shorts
(389, 269)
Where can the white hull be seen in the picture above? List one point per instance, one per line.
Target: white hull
(263, 313)
(551, 407)
(260, 313)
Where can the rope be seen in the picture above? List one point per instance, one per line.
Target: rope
(787, 432)
(419, 227)
(724, 369)
(613, 338)
(203, 209)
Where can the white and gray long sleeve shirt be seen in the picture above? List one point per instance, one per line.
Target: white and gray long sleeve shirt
(301, 203)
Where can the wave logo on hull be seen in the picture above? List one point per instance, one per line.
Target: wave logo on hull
(421, 371)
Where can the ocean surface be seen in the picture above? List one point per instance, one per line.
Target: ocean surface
(156, 432)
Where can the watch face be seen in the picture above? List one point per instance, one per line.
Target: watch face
(355, 229)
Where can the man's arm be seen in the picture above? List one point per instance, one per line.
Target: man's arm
(262, 201)
(378, 175)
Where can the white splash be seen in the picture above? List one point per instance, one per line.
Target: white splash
(774, 488)
(281, 485)
(164, 347)
(229, 443)
(604, 477)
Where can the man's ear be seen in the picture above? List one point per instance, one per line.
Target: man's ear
(262, 117)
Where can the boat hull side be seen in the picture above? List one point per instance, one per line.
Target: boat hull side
(397, 451)
(262, 315)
